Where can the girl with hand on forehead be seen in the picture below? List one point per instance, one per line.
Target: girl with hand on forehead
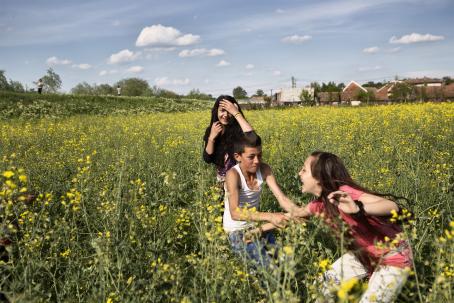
(227, 125)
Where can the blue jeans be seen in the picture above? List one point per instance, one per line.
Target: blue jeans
(256, 251)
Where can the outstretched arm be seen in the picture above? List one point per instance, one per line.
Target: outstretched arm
(232, 181)
(287, 204)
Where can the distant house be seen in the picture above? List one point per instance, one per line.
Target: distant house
(257, 100)
(351, 91)
(288, 96)
(384, 92)
(448, 91)
(328, 98)
(425, 81)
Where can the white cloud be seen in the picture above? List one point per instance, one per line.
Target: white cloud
(371, 50)
(277, 72)
(393, 50)
(414, 38)
(110, 72)
(135, 69)
(250, 66)
(55, 61)
(163, 35)
(296, 39)
(369, 68)
(161, 49)
(82, 66)
(123, 56)
(223, 63)
(201, 52)
(280, 11)
(165, 81)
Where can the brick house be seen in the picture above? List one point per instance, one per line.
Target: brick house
(351, 91)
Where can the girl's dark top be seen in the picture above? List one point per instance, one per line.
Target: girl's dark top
(222, 156)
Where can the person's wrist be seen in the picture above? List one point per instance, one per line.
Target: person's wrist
(360, 208)
(212, 139)
(236, 114)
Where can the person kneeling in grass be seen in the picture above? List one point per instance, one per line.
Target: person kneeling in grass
(243, 186)
(375, 242)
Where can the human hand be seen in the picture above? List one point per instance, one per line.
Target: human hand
(229, 106)
(278, 219)
(343, 201)
(216, 129)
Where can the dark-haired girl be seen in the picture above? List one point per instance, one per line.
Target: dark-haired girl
(366, 216)
(227, 126)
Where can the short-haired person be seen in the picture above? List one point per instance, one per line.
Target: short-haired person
(244, 184)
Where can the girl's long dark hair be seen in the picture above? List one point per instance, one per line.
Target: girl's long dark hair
(331, 173)
(232, 131)
(329, 170)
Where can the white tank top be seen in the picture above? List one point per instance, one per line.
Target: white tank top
(247, 199)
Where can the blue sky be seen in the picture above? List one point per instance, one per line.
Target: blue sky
(217, 45)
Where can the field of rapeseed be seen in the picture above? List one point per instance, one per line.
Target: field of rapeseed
(122, 208)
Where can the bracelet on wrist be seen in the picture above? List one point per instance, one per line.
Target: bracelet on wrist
(236, 115)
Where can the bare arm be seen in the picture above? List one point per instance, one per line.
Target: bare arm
(287, 204)
(373, 205)
(233, 182)
(215, 131)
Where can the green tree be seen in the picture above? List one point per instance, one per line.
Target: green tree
(239, 93)
(4, 85)
(16, 86)
(307, 98)
(133, 87)
(447, 80)
(402, 92)
(104, 89)
(260, 93)
(82, 89)
(366, 97)
(52, 81)
(316, 86)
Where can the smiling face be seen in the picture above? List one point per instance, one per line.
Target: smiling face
(223, 116)
(309, 183)
(250, 159)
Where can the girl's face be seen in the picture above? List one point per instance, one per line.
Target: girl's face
(250, 159)
(309, 183)
(223, 115)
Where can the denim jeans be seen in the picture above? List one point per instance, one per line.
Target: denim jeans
(257, 251)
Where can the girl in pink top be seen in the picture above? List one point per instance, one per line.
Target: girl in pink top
(366, 216)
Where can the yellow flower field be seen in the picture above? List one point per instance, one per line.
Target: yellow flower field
(123, 209)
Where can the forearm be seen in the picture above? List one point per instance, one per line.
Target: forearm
(245, 126)
(244, 214)
(382, 207)
(209, 148)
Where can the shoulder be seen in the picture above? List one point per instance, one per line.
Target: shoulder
(232, 174)
(353, 192)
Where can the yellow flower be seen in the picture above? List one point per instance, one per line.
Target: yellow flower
(8, 174)
(288, 250)
(23, 178)
(345, 288)
(324, 264)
